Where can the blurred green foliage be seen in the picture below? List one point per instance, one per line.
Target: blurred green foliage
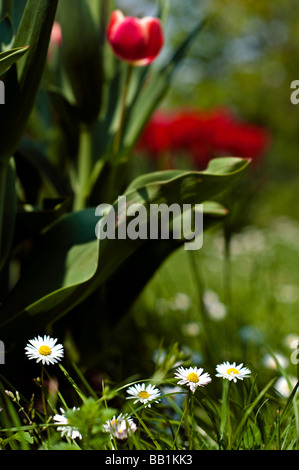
(237, 298)
(245, 58)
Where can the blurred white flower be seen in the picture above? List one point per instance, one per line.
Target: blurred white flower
(121, 427)
(162, 306)
(292, 340)
(286, 230)
(191, 328)
(250, 240)
(215, 309)
(282, 386)
(269, 361)
(181, 301)
(66, 429)
(287, 294)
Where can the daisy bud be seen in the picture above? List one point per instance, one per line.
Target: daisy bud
(10, 394)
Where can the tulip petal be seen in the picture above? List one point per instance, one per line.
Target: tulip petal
(154, 35)
(129, 41)
(135, 40)
(116, 19)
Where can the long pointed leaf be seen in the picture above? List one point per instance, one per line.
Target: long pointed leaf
(75, 263)
(22, 81)
(9, 204)
(8, 58)
(82, 57)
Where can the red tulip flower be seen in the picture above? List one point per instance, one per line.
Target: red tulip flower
(134, 40)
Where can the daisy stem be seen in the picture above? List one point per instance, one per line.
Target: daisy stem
(174, 445)
(189, 413)
(44, 400)
(141, 421)
(191, 398)
(225, 425)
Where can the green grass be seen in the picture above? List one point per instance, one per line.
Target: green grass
(230, 416)
(196, 311)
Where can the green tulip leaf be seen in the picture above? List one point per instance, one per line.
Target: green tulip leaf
(70, 263)
(8, 58)
(82, 57)
(22, 81)
(9, 206)
(32, 221)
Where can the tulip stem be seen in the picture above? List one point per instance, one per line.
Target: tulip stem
(118, 135)
(84, 168)
(116, 164)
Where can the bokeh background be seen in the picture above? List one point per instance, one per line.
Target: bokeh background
(217, 308)
(236, 298)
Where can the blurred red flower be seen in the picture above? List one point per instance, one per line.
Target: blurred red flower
(203, 135)
(156, 138)
(134, 40)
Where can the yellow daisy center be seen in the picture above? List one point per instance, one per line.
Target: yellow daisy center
(193, 377)
(232, 370)
(44, 350)
(143, 394)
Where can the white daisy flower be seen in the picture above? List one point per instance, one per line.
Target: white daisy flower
(120, 427)
(193, 377)
(144, 394)
(232, 371)
(66, 429)
(44, 350)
